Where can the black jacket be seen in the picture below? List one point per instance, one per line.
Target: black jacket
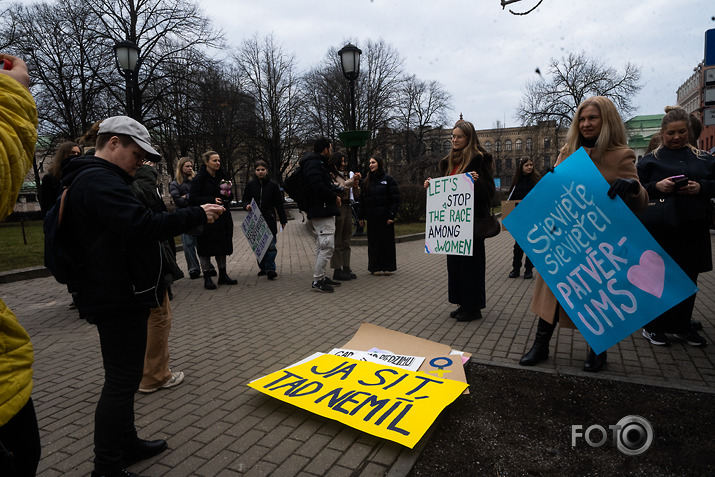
(178, 190)
(116, 238)
(319, 187)
(523, 187)
(217, 238)
(380, 199)
(269, 198)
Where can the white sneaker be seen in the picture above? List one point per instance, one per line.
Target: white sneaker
(175, 379)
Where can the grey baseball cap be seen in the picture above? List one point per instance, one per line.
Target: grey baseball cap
(129, 127)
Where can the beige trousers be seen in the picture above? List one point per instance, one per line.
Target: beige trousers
(156, 359)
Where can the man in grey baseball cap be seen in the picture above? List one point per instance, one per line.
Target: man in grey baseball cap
(116, 238)
(129, 127)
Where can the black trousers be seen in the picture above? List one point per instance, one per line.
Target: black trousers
(123, 341)
(20, 437)
(518, 255)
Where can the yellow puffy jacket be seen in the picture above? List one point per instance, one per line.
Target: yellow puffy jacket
(18, 134)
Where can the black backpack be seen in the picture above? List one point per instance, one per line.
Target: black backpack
(294, 186)
(60, 258)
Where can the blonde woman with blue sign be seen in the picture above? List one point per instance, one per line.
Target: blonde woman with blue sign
(466, 274)
(599, 129)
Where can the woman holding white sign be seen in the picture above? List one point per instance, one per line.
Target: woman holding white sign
(679, 175)
(599, 129)
(466, 274)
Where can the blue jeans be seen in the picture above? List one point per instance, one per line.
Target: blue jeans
(192, 260)
(269, 259)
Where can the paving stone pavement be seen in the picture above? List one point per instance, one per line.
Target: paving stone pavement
(218, 426)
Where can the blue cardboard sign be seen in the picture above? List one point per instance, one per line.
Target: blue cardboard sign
(607, 272)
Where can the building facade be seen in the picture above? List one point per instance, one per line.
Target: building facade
(506, 144)
(690, 96)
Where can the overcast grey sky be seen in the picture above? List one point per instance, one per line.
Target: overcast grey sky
(484, 55)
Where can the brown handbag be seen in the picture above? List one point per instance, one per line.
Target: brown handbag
(486, 227)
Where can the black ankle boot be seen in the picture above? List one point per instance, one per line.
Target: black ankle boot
(595, 362)
(540, 350)
(528, 274)
(514, 273)
(224, 279)
(208, 283)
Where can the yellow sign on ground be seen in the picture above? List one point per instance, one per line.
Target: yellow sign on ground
(387, 402)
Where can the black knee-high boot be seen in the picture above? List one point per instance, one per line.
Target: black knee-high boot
(540, 350)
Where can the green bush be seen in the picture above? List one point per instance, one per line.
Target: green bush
(413, 203)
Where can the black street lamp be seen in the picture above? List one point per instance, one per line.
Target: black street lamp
(350, 63)
(127, 55)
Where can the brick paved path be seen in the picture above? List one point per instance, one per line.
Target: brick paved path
(217, 426)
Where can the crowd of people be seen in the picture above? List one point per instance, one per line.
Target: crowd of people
(117, 220)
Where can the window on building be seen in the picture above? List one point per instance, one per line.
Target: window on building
(447, 146)
(547, 143)
(488, 146)
(398, 153)
(497, 146)
(517, 144)
(498, 165)
(529, 144)
(508, 163)
(547, 161)
(507, 145)
(434, 146)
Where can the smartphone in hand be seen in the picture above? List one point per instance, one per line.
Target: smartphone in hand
(5, 65)
(679, 182)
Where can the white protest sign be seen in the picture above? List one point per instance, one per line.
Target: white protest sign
(411, 363)
(450, 215)
(256, 230)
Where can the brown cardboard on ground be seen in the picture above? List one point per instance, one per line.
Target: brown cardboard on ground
(438, 361)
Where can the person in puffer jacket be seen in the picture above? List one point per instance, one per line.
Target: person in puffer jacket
(19, 435)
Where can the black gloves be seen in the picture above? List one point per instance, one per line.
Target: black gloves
(621, 187)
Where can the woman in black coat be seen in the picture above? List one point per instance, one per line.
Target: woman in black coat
(525, 178)
(466, 274)
(217, 238)
(678, 172)
(378, 204)
(51, 187)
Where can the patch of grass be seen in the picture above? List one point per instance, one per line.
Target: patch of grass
(14, 253)
(408, 228)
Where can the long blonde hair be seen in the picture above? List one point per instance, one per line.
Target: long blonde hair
(613, 131)
(179, 174)
(473, 148)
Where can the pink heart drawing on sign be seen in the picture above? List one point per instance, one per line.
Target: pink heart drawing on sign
(649, 274)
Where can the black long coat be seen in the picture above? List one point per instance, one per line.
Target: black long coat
(217, 238)
(466, 276)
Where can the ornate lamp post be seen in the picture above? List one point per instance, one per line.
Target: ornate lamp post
(127, 55)
(350, 63)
